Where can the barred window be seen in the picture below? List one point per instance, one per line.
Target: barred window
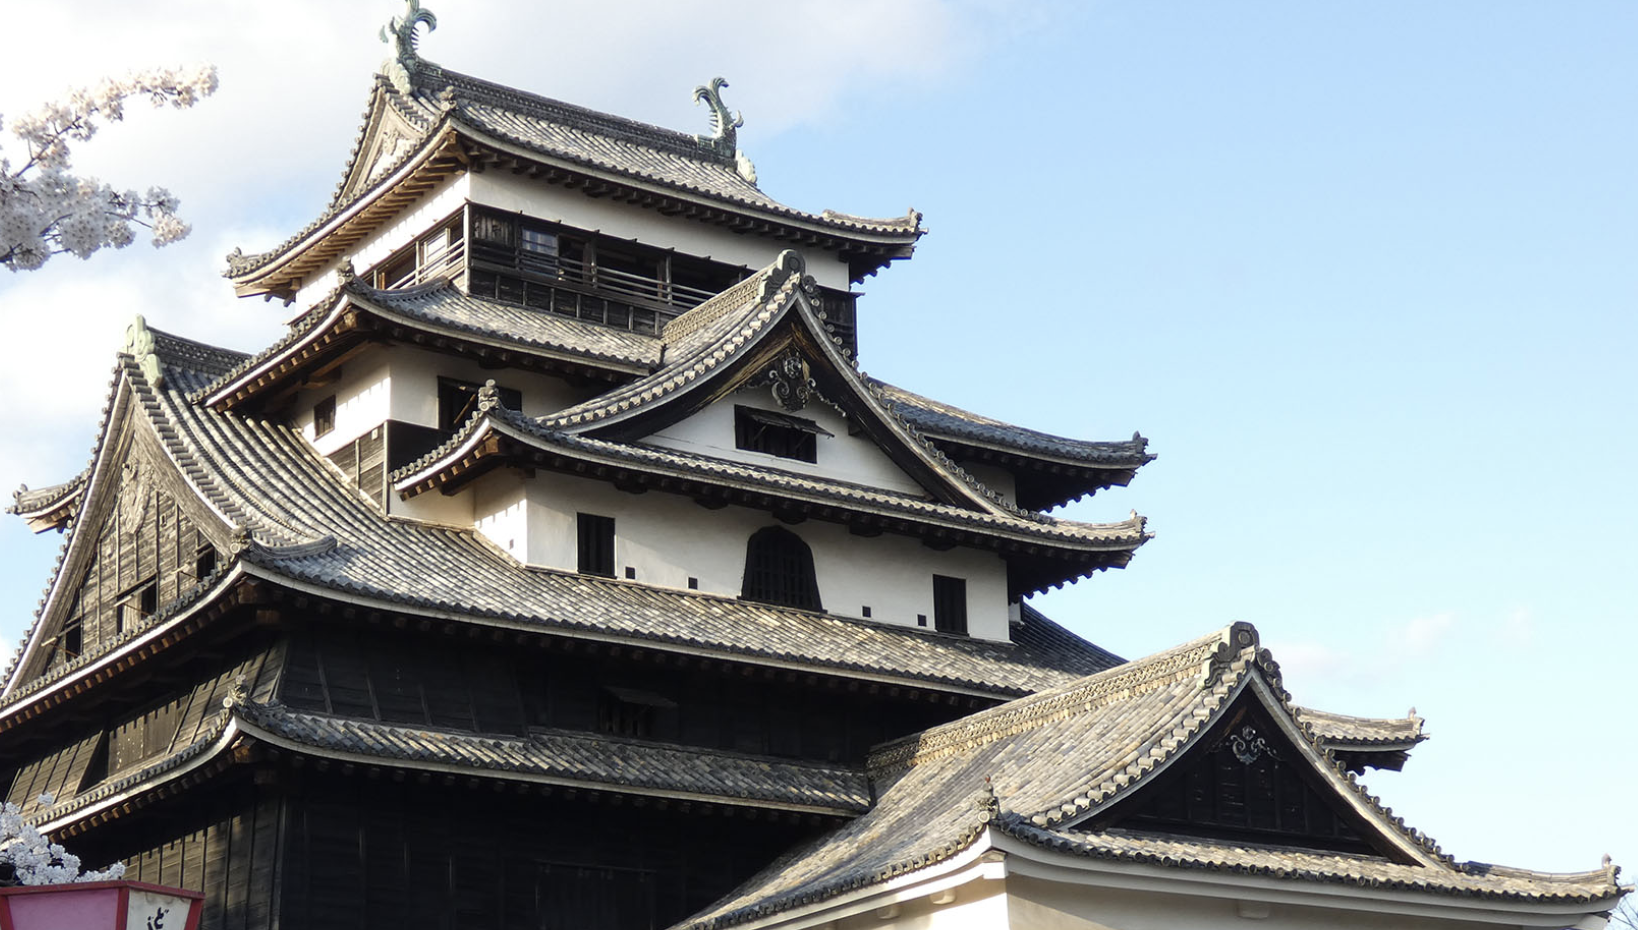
(779, 570)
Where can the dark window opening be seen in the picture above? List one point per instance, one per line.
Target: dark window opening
(488, 227)
(779, 570)
(458, 399)
(73, 641)
(135, 605)
(758, 430)
(205, 562)
(596, 544)
(398, 271)
(324, 416)
(950, 605)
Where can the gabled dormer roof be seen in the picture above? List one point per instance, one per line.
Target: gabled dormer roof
(767, 330)
(1041, 777)
(425, 123)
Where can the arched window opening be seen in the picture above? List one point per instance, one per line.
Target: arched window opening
(779, 570)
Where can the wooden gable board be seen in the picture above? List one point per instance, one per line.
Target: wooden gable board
(141, 523)
(1246, 781)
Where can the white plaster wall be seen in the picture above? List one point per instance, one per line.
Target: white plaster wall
(401, 383)
(499, 508)
(538, 199)
(1034, 904)
(415, 220)
(415, 374)
(667, 539)
(848, 458)
(363, 400)
(978, 905)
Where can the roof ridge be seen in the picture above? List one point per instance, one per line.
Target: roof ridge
(663, 138)
(1213, 657)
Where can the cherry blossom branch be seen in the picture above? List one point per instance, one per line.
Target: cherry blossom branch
(47, 210)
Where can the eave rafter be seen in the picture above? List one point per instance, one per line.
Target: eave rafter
(441, 158)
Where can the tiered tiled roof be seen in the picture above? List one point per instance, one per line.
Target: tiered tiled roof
(304, 525)
(1036, 769)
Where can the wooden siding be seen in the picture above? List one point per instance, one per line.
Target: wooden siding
(223, 841)
(398, 678)
(174, 720)
(145, 539)
(379, 855)
(364, 462)
(1245, 783)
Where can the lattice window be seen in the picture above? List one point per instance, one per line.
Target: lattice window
(779, 570)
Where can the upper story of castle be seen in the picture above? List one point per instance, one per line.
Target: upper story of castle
(532, 201)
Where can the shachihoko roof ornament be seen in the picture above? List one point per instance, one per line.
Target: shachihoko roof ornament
(724, 137)
(139, 344)
(399, 32)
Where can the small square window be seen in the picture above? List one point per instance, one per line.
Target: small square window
(324, 416)
(867, 612)
(596, 544)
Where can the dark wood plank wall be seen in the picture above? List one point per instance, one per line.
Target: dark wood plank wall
(397, 678)
(221, 840)
(364, 462)
(173, 719)
(146, 538)
(60, 774)
(364, 854)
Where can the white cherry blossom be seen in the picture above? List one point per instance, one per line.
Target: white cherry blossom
(35, 860)
(46, 210)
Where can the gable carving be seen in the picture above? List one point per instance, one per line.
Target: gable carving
(141, 544)
(1245, 782)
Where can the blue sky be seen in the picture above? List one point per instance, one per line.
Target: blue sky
(1362, 272)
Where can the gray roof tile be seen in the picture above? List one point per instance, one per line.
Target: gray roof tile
(1032, 766)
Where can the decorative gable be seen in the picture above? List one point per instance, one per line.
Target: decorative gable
(142, 539)
(1245, 781)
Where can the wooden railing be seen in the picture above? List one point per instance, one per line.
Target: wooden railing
(448, 263)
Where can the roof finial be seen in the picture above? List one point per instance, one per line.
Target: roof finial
(723, 140)
(399, 32)
(139, 344)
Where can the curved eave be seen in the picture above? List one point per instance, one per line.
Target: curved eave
(355, 323)
(282, 272)
(1043, 481)
(55, 514)
(174, 623)
(154, 782)
(456, 145)
(367, 762)
(1056, 558)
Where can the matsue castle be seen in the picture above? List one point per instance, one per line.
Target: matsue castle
(559, 568)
